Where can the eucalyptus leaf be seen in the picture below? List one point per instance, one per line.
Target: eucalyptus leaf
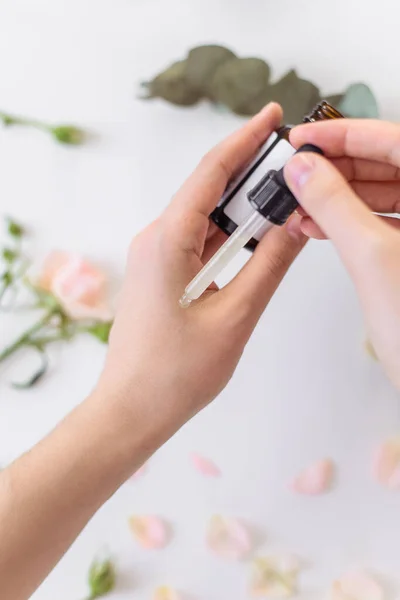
(172, 85)
(201, 64)
(296, 96)
(359, 101)
(241, 84)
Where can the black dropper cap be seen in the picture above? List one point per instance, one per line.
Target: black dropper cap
(271, 196)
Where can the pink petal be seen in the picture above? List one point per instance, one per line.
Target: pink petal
(79, 286)
(356, 586)
(140, 472)
(205, 466)
(274, 577)
(51, 265)
(316, 479)
(149, 531)
(165, 593)
(228, 538)
(79, 281)
(386, 463)
(394, 481)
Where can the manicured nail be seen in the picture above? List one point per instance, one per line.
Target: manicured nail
(298, 170)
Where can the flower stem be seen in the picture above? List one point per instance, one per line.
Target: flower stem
(15, 120)
(26, 338)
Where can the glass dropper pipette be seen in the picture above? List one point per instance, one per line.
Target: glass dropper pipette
(270, 203)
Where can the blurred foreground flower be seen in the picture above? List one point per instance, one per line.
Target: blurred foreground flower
(386, 464)
(205, 466)
(101, 578)
(274, 577)
(79, 286)
(165, 593)
(70, 293)
(315, 479)
(356, 586)
(228, 537)
(149, 531)
(65, 134)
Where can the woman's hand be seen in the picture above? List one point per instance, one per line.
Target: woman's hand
(338, 197)
(164, 364)
(179, 359)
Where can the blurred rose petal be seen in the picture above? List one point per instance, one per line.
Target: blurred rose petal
(394, 481)
(356, 586)
(316, 479)
(205, 466)
(140, 472)
(274, 577)
(386, 464)
(79, 286)
(165, 593)
(149, 531)
(228, 537)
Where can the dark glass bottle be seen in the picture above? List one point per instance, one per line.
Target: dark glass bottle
(234, 206)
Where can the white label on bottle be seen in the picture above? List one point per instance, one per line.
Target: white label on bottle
(237, 208)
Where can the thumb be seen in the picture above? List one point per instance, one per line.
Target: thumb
(327, 197)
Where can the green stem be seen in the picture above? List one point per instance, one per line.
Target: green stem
(41, 342)
(21, 265)
(14, 120)
(26, 338)
(4, 289)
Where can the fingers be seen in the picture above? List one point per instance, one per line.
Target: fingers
(250, 291)
(185, 222)
(379, 196)
(329, 200)
(362, 169)
(358, 138)
(311, 229)
(206, 185)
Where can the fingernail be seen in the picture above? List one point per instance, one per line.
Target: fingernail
(298, 170)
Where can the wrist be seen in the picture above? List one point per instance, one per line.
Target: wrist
(129, 426)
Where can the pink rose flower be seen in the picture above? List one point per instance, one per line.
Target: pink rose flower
(79, 286)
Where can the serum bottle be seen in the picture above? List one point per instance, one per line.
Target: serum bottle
(257, 200)
(233, 207)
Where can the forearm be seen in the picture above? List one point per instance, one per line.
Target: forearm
(48, 495)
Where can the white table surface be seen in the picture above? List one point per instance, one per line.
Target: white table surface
(305, 388)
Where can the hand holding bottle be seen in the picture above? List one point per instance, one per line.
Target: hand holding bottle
(339, 197)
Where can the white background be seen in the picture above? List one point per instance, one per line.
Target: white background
(305, 388)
